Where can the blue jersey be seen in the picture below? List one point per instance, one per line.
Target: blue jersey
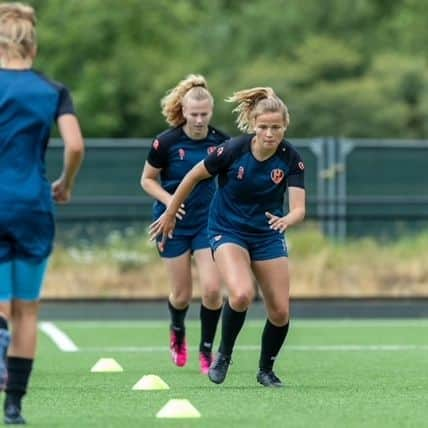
(29, 106)
(247, 187)
(176, 154)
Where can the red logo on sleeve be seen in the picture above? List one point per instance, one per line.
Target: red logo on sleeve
(156, 144)
(210, 149)
(277, 175)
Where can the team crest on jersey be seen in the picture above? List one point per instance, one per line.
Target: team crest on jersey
(277, 175)
(301, 165)
(220, 151)
(181, 154)
(156, 144)
(210, 149)
(240, 174)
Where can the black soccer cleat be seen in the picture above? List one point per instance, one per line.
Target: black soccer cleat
(218, 370)
(269, 379)
(12, 415)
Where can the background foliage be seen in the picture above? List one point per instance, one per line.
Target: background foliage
(353, 68)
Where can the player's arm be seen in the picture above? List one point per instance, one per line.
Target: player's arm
(71, 134)
(150, 183)
(165, 224)
(296, 213)
(296, 203)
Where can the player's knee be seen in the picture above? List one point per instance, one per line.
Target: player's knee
(279, 316)
(23, 310)
(240, 301)
(211, 294)
(181, 298)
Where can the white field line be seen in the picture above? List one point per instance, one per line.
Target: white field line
(293, 348)
(313, 324)
(57, 336)
(65, 344)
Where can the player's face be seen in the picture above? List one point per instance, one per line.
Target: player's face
(198, 115)
(269, 129)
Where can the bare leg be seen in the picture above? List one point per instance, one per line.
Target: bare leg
(233, 262)
(274, 281)
(24, 329)
(211, 305)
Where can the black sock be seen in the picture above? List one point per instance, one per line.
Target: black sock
(232, 323)
(3, 323)
(209, 321)
(177, 319)
(19, 371)
(272, 339)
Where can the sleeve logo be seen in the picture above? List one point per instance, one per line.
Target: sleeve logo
(210, 149)
(301, 165)
(181, 154)
(220, 151)
(156, 144)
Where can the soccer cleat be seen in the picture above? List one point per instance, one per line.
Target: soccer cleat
(205, 359)
(178, 347)
(218, 370)
(12, 415)
(4, 344)
(269, 379)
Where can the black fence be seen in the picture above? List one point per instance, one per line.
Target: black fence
(354, 187)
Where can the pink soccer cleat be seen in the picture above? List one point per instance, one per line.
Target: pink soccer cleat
(178, 347)
(205, 359)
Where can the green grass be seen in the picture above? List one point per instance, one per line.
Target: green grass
(328, 383)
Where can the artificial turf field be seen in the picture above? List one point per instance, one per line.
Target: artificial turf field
(338, 373)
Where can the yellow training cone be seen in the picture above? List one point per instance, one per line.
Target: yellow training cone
(150, 382)
(107, 365)
(178, 409)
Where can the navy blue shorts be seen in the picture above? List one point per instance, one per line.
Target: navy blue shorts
(26, 235)
(179, 245)
(258, 247)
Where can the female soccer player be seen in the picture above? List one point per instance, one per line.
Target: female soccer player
(188, 109)
(246, 222)
(29, 105)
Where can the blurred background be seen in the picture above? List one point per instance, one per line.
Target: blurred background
(354, 75)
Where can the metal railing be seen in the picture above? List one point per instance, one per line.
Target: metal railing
(348, 180)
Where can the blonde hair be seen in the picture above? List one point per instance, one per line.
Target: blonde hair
(17, 30)
(254, 102)
(192, 87)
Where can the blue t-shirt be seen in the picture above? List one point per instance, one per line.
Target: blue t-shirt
(176, 154)
(29, 105)
(247, 187)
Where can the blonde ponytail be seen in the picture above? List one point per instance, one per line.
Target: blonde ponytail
(192, 87)
(255, 101)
